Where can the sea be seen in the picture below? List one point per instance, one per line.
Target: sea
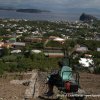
(43, 16)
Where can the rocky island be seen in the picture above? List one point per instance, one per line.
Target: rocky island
(31, 10)
(87, 17)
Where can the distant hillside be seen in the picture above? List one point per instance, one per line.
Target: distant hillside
(31, 10)
(87, 17)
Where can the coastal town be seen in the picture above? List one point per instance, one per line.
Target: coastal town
(50, 38)
(13, 30)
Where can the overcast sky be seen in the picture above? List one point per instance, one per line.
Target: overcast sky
(52, 4)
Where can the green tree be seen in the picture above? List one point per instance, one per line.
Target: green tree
(68, 47)
(6, 51)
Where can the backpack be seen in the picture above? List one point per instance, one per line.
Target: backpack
(66, 73)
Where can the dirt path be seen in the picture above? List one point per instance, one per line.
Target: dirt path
(90, 83)
(43, 87)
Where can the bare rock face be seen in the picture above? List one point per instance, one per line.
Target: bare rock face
(87, 18)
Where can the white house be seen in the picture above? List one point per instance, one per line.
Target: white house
(59, 39)
(82, 49)
(16, 51)
(36, 51)
(86, 62)
(98, 49)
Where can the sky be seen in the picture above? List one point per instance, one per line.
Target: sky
(51, 4)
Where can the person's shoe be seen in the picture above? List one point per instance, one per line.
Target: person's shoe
(49, 93)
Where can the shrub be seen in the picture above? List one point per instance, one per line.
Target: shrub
(9, 58)
(53, 44)
(97, 70)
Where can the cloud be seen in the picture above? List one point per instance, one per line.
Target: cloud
(83, 3)
(54, 4)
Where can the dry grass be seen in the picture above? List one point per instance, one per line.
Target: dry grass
(11, 91)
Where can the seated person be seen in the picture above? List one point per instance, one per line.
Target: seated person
(55, 79)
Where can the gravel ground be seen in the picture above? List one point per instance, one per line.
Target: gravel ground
(89, 82)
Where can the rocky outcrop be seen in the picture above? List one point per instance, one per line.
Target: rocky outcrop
(87, 18)
(30, 91)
